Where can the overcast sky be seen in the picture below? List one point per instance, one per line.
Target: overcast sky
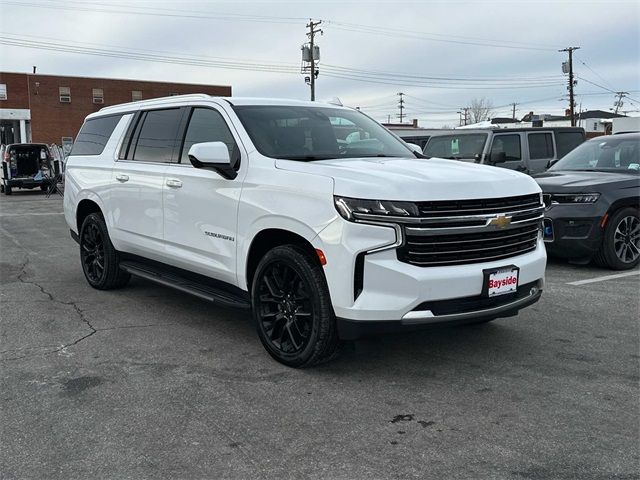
(490, 47)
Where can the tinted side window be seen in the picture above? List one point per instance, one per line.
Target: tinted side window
(94, 135)
(157, 138)
(509, 144)
(567, 141)
(540, 145)
(207, 125)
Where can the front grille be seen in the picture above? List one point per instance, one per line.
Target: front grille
(480, 206)
(449, 236)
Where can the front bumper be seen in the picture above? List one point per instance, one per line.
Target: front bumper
(577, 230)
(423, 319)
(395, 295)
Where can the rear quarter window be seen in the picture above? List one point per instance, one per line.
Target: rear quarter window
(94, 135)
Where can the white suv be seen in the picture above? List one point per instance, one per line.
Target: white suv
(313, 215)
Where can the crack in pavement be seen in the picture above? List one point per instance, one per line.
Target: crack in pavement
(81, 314)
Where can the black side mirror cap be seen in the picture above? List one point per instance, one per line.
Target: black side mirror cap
(224, 169)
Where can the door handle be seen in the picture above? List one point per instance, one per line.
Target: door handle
(173, 183)
(122, 178)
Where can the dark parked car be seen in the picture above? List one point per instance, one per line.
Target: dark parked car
(592, 197)
(26, 165)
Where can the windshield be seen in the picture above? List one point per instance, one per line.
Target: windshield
(604, 154)
(317, 133)
(456, 146)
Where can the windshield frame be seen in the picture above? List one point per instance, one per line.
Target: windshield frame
(403, 151)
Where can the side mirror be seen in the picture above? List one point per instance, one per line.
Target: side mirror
(414, 148)
(213, 156)
(498, 157)
(551, 163)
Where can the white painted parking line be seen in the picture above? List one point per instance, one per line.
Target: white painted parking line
(32, 214)
(605, 277)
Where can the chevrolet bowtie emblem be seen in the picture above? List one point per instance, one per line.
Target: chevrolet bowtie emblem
(501, 221)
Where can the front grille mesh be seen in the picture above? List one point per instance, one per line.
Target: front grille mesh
(480, 206)
(469, 240)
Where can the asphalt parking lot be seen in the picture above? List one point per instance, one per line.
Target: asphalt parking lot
(147, 382)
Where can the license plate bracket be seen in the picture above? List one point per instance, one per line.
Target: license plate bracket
(500, 281)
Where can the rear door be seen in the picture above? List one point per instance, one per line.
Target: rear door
(200, 206)
(541, 150)
(138, 180)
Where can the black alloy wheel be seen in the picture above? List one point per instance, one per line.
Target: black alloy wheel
(100, 260)
(92, 253)
(620, 248)
(626, 239)
(292, 308)
(286, 313)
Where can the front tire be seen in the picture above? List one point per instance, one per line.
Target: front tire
(7, 190)
(620, 249)
(100, 260)
(292, 308)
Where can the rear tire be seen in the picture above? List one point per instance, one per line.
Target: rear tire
(100, 260)
(7, 190)
(620, 249)
(292, 308)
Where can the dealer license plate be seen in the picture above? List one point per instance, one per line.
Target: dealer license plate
(500, 281)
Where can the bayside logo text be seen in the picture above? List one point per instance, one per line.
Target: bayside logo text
(504, 282)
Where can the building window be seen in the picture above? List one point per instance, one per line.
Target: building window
(98, 95)
(3, 91)
(136, 95)
(65, 94)
(595, 126)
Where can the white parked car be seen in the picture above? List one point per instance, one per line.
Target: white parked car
(262, 204)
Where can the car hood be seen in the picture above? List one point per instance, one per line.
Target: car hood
(581, 181)
(415, 179)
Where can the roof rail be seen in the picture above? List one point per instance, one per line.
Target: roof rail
(151, 101)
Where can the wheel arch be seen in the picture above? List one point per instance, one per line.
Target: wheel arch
(623, 203)
(85, 208)
(268, 239)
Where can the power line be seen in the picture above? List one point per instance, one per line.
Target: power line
(352, 27)
(446, 38)
(157, 12)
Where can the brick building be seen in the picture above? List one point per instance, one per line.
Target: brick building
(51, 108)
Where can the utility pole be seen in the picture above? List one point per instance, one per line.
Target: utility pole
(310, 56)
(572, 83)
(513, 116)
(401, 106)
(619, 103)
(464, 111)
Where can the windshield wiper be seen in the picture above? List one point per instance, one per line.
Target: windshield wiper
(307, 158)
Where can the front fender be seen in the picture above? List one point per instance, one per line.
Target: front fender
(269, 222)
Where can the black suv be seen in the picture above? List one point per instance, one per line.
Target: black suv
(592, 197)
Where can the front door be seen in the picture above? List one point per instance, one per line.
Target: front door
(511, 145)
(200, 206)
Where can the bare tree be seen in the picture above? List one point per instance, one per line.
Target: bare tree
(480, 109)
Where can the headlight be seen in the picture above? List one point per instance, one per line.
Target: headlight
(557, 198)
(349, 208)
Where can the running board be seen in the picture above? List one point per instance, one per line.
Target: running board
(198, 287)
